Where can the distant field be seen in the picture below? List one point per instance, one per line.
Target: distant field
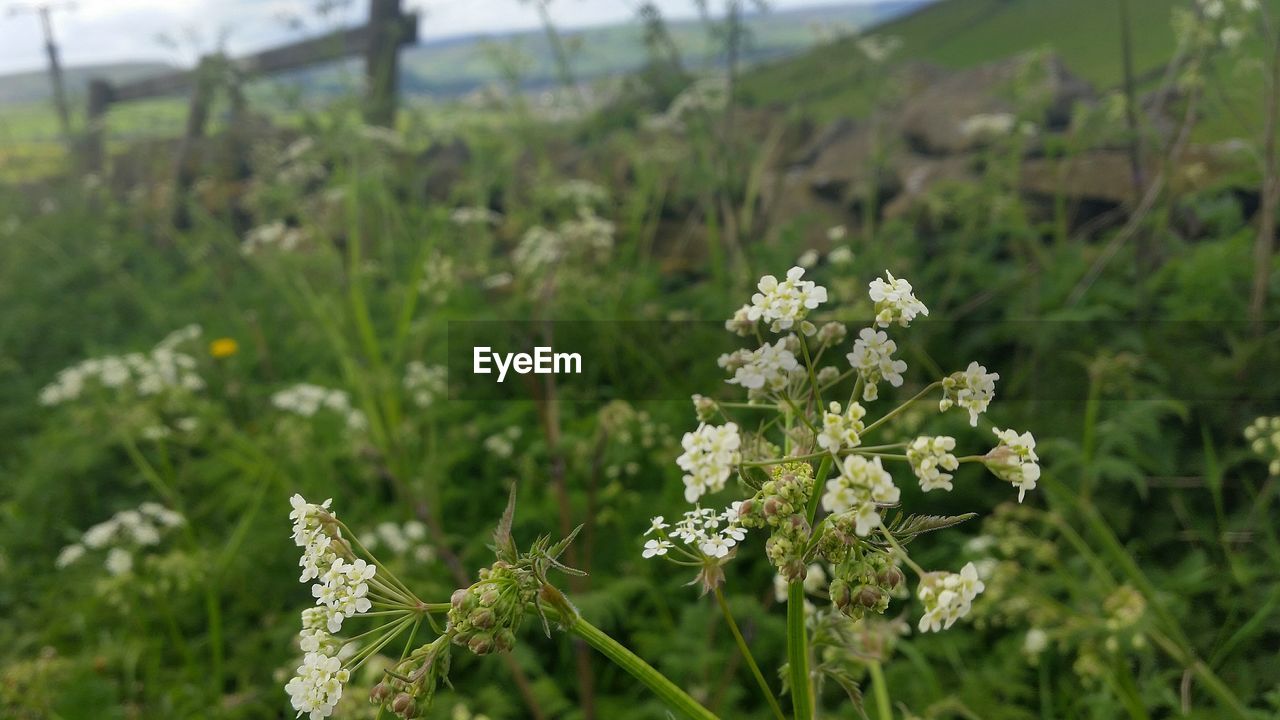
(964, 33)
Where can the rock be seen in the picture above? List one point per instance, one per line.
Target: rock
(934, 120)
(1104, 175)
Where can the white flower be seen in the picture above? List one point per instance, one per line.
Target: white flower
(657, 524)
(69, 555)
(872, 357)
(317, 687)
(972, 389)
(425, 384)
(988, 126)
(895, 301)
(1014, 460)
(947, 597)
(929, 456)
(716, 546)
(783, 304)
(710, 455)
(766, 370)
(656, 547)
(861, 488)
(741, 324)
(808, 258)
(464, 216)
(119, 561)
(1036, 642)
(840, 431)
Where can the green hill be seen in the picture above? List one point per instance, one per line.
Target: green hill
(826, 81)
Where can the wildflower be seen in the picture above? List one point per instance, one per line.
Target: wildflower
(224, 348)
(841, 430)
(808, 259)
(119, 561)
(710, 455)
(1014, 460)
(1036, 642)
(832, 333)
(860, 488)
(581, 193)
(712, 533)
(929, 456)
(783, 304)
(767, 370)
(836, 233)
(69, 555)
(741, 323)
(317, 686)
(972, 389)
(704, 407)
(425, 384)
(842, 255)
(872, 357)
(895, 301)
(467, 216)
(306, 400)
(657, 524)
(1264, 439)
(275, 235)
(988, 126)
(947, 597)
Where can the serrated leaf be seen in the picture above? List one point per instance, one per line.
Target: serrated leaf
(905, 529)
(503, 545)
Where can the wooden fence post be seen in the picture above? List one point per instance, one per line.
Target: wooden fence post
(187, 164)
(382, 61)
(92, 151)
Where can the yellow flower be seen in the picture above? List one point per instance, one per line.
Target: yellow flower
(224, 348)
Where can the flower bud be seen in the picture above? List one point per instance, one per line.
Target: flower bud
(890, 577)
(490, 597)
(504, 640)
(458, 597)
(379, 693)
(840, 593)
(869, 596)
(481, 644)
(481, 618)
(404, 706)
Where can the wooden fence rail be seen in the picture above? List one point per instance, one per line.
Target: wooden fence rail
(389, 28)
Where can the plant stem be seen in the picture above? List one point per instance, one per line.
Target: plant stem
(881, 690)
(675, 698)
(798, 653)
(746, 655)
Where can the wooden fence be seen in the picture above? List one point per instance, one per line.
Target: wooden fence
(379, 41)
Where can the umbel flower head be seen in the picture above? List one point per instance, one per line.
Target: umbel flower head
(841, 430)
(872, 357)
(972, 389)
(1014, 460)
(1264, 439)
(862, 486)
(710, 454)
(784, 304)
(929, 456)
(947, 597)
(895, 302)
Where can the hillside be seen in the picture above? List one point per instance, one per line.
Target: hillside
(964, 33)
(33, 86)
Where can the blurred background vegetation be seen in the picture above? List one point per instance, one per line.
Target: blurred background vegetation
(1098, 236)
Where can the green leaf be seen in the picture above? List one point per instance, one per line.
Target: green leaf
(904, 529)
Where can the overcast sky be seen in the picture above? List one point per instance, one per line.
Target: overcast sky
(94, 31)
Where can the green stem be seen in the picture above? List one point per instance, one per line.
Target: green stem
(798, 654)
(881, 690)
(673, 696)
(746, 655)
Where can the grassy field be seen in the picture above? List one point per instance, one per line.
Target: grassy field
(996, 452)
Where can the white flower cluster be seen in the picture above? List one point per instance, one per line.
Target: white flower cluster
(1264, 439)
(425, 383)
(710, 455)
(342, 592)
(872, 357)
(988, 126)
(438, 278)
(317, 686)
(272, 236)
(708, 95)
(145, 374)
(841, 430)
(125, 531)
(1014, 460)
(710, 532)
(928, 457)
(972, 389)
(862, 486)
(947, 597)
(408, 540)
(783, 304)
(768, 370)
(469, 216)
(581, 193)
(587, 237)
(1231, 16)
(306, 400)
(895, 301)
(503, 444)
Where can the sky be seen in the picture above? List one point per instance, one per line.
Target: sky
(178, 31)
